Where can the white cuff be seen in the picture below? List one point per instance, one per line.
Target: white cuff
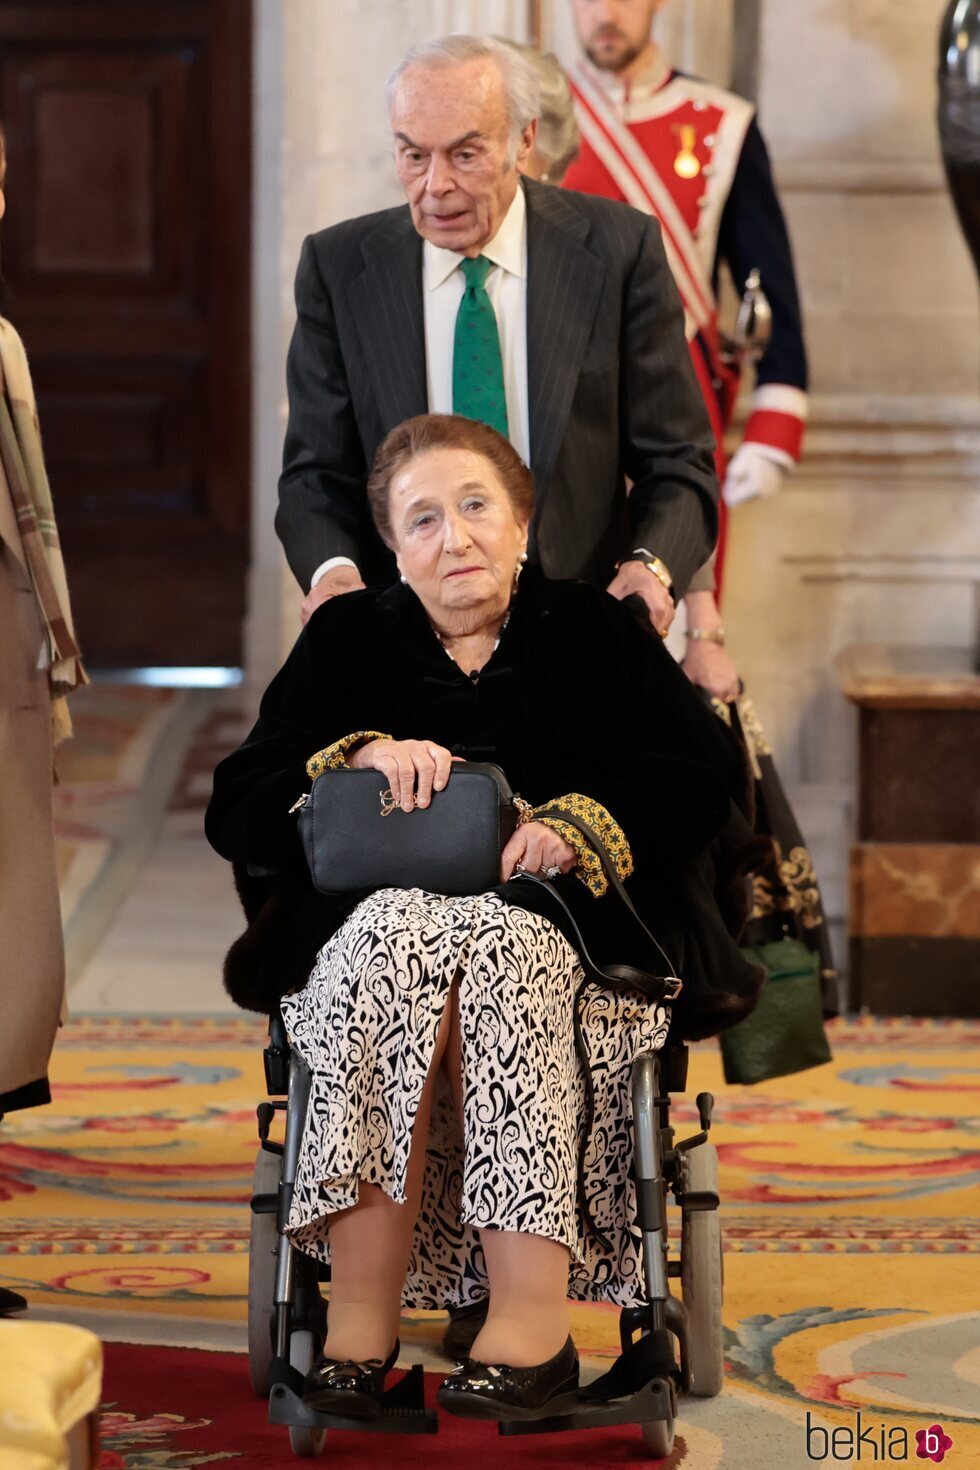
(781, 398)
(328, 566)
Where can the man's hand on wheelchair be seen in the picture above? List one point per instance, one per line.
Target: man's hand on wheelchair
(635, 579)
(332, 584)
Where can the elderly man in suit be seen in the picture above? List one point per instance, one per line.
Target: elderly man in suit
(550, 315)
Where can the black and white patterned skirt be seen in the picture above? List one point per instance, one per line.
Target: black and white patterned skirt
(366, 1024)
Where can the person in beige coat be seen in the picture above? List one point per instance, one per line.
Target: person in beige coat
(39, 665)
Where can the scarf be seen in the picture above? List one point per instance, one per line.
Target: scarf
(24, 480)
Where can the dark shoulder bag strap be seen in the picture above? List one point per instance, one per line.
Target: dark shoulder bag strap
(614, 977)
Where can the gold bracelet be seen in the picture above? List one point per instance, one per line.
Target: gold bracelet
(707, 635)
(660, 571)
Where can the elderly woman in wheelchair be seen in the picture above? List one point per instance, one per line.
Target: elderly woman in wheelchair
(468, 1132)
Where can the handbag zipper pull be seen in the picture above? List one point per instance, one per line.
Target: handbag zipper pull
(298, 805)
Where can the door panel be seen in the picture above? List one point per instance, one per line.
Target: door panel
(126, 257)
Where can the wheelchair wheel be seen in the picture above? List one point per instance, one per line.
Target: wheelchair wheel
(305, 1443)
(701, 1276)
(658, 1438)
(262, 1275)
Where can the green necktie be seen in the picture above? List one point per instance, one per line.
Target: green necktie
(478, 372)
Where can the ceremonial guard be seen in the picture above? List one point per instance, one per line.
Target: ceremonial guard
(691, 154)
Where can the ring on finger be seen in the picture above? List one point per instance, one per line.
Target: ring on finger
(551, 873)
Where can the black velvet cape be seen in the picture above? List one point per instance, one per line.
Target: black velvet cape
(576, 698)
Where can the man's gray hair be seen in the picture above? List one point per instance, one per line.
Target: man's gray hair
(519, 77)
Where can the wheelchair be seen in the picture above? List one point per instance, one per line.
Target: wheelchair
(287, 1314)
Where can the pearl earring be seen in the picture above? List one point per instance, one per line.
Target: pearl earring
(403, 578)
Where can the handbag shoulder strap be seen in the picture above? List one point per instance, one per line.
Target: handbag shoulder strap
(615, 976)
(609, 868)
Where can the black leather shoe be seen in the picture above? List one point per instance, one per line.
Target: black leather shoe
(497, 1391)
(465, 1323)
(350, 1390)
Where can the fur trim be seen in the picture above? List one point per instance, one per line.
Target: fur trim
(720, 1009)
(288, 923)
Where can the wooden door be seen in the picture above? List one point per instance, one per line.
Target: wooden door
(126, 265)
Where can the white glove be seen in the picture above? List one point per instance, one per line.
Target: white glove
(751, 472)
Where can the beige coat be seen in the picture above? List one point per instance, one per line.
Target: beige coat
(32, 967)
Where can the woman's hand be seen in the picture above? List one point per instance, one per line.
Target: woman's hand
(414, 768)
(536, 848)
(709, 666)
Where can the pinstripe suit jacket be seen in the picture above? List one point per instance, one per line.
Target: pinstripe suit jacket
(611, 390)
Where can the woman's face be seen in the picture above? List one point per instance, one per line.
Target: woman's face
(457, 540)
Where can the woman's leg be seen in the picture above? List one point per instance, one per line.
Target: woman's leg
(528, 1320)
(370, 1245)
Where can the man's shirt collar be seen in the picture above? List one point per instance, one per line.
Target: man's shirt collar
(508, 248)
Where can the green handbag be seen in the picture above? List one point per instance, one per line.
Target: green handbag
(785, 1032)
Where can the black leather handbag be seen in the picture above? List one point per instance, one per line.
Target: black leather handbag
(355, 835)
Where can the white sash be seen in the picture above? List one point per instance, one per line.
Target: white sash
(640, 184)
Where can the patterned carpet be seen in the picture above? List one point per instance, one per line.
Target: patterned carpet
(849, 1216)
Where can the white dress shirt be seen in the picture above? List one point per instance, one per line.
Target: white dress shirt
(442, 291)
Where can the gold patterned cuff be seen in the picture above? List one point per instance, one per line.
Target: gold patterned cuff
(606, 828)
(334, 757)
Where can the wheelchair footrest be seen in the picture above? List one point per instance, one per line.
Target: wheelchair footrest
(653, 1401)
(403, 1410)
(647, 1360)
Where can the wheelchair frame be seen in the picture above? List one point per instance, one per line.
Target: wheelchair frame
(642, 1385)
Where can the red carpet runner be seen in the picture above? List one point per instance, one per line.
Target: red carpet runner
(179, 1408)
